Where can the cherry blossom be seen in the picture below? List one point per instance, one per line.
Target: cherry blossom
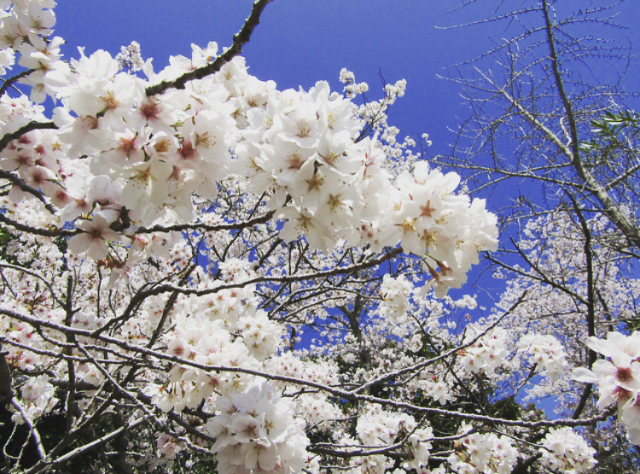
(171, 238)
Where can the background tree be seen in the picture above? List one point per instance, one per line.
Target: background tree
(550, 128)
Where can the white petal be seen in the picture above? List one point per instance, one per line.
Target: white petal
(582, 374)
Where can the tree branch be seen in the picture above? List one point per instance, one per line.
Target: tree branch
(239, 40)
(12, 80)
(26, 129)
(6, 393)
(26, 188)
(611, 209)
(340, 393)
(82, 449)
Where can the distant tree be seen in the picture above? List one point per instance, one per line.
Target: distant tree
(550, 130)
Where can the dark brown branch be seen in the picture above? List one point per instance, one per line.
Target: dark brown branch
(33, 430)
(142, 295)
(83, 449)
(12, 80)
(583, 401)
(27, 189)
(6, 394)
(591, 298)
(610, 208)
(523, 465)
(167, 309)
(441, 356)
(206, 227)
(35, 275)
(37, 231)
(338, 392)
(25, 129)
(543, 278)
(239, 40)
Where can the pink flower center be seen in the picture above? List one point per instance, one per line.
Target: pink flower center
(187, 151)
(150, 110)
(624, 374)
(127, 145)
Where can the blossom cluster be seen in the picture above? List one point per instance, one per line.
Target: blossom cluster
(37, 395)
(486, 354)
(617, 377)
(486, 453)
(545, 351)
(122, 159)
(130, 58)
(565, 451)
(255, 433)
(377, 427)
(113, 205)
(395, 296)
(25, 31)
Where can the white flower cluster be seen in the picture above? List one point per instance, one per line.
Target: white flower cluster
(38, 397)
(25, 30)
(429, 217)
(169, 446)
(566, 451)
(486, 354)
(313, 407)
(16, 112)
(121, 159)
(545, 351)
(7, 59)
(439, 390)
(221, 330)
(377, 427)
(129, 57)
(255, 432)
(618, 378)
(235, 270)
(154, 153)
(395, 294)
(483, 453)
(351, 88)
